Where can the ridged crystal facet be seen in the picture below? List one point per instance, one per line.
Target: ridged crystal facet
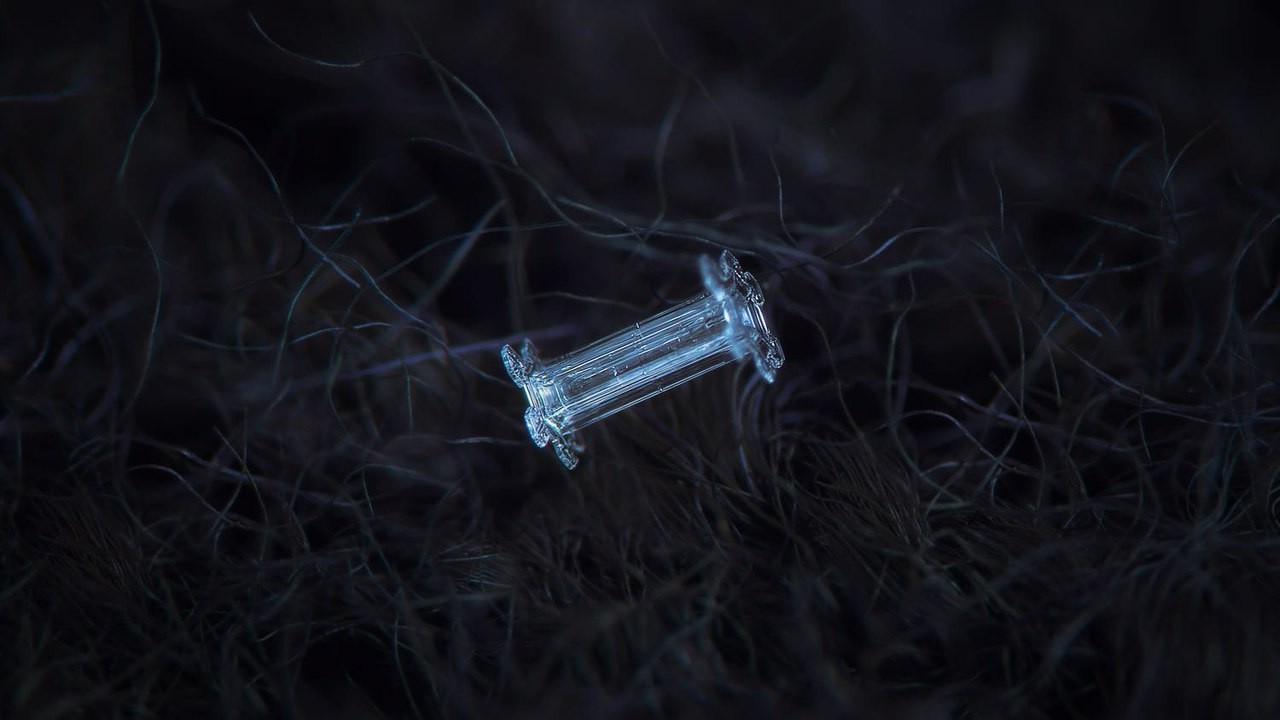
(723, 324)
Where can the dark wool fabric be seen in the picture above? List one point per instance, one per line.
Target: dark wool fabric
(259, 456)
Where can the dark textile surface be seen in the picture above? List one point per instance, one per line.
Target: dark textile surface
(259, 457)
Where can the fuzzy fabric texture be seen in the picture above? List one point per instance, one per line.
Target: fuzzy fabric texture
(258, 455)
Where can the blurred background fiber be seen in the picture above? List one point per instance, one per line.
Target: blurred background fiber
(258, 456)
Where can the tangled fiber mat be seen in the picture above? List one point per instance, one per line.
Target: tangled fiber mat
(258, 455)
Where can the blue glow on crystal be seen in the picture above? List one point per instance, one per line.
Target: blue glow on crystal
(724, 324)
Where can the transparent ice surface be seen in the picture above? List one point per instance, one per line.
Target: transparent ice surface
(723, 324)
